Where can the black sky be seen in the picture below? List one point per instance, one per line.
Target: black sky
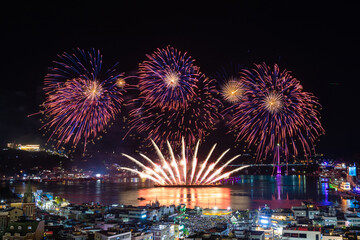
(319, 43)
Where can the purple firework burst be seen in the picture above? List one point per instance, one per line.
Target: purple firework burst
(168, 79)
(275, 111)
(80, 99)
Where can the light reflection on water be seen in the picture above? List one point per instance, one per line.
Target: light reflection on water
(247, 192)
(204, 197)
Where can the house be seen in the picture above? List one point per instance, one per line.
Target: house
(14, 213)
(77, 235)
(352, 220)
(331, 237)
(297, 233)
(25, 229)
(4, 219)
(142, 236)
(162, 232)
(299, 211)
(330, 220)
(256, 235)
(116, 234)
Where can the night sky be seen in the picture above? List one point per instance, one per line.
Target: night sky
(318, 43)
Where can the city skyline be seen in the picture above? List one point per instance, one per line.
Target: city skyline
(318, 49)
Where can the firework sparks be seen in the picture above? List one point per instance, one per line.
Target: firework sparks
(168, 78)
(175, 101)
(171, 166)
(232, 91)
(276, 112)
(120, 82)
(80, 101)
(272, 102)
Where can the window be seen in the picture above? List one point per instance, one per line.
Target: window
(29, 227)
(302, 235)
(11, 227)
(286, 235)
(19, 227)
(294, 235)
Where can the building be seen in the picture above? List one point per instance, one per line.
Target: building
(26, 207)
(312, 213)
(14, 213)
(282, 218)
(4, 219)
(256, 235)
(163, 232)
(352, 220)
(25, 229)
(142, 236)
(331, 237)
(113, 235)
(77, 235)
(297, 233)
(27, 147)
(127, 213)
(178, 231)
(329, 220)
(305, 211)
(20, 209)
(299, 211)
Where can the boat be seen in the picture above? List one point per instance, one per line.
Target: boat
(141, 198)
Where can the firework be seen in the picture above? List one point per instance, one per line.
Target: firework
(275, 111)
(232, 91)
(188, 109)
(168, 79)
(193, 122)
(80, 99)
(173, 172)
(231, 88)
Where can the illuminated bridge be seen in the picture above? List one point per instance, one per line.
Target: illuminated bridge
(278, 165)
(267, 165)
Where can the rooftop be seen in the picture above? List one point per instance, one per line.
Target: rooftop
(296, 228)
(258, 233)
(113, 232)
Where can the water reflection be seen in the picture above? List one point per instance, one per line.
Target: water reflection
(203, 197)
(243, 192)
(278, 185)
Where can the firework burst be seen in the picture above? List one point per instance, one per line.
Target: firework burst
(276, 112)
(80, 100)
(182, 103)
(171, 171)
(168, 79)
(232, 91)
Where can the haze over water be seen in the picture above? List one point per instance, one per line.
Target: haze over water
(249, 192)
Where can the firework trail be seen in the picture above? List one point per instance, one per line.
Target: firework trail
(276, 110)
(186, 108)
(80, 99)
(168, 168)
